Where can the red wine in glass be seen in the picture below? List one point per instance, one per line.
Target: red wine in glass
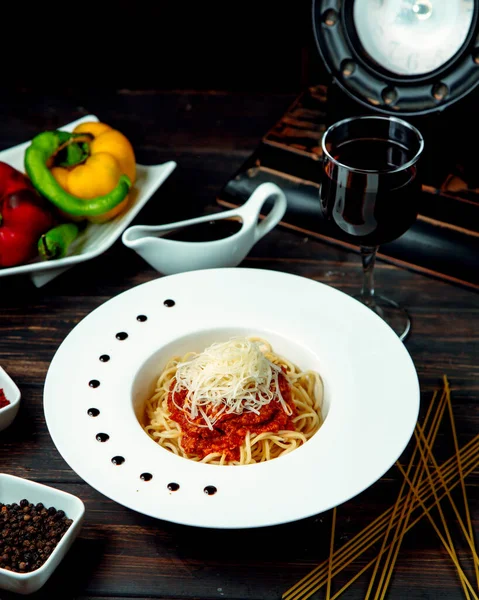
(370, 191)
(372, 208)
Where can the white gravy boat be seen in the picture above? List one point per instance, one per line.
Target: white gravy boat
(170, 256)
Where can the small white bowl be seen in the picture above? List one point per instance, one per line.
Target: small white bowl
(14, 489)
(12, 393)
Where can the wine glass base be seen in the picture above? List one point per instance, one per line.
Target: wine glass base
(395, 315)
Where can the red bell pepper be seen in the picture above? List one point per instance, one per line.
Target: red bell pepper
(24, 216)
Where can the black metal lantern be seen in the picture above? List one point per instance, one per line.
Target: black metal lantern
(404, 57)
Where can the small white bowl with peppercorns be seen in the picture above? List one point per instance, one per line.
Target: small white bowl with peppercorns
(9, 399)
(38, 525)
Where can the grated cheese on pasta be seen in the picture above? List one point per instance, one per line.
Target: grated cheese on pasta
(231, 377)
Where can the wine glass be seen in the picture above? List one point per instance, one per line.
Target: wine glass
(370, 191)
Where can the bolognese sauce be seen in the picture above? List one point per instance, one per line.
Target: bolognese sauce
(230, 429)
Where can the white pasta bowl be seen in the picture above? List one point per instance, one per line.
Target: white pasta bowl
(14, 489)
(13, 395)
(108, 365)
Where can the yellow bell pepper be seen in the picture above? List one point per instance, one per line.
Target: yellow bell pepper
(110, 154)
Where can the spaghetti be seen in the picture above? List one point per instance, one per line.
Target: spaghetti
(235, 403)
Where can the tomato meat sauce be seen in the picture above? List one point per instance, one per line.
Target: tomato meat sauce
(230, 430)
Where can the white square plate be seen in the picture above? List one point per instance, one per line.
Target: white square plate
(95, 238)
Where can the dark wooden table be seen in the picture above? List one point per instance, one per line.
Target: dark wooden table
(123, 554)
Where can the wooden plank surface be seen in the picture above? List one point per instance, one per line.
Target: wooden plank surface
(122, 554)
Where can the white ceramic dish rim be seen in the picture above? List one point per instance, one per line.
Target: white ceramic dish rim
(149, 179)
(369, 377)
(77, 515)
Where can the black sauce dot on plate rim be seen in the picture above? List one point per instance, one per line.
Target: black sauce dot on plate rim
(94, 383)
(173, 487)
(104, 358)
(146, 476)
(210, 490)
(169, 303)
(102, 437)
(93, 412)
(118, 460)
(141, 318)
(121, 335)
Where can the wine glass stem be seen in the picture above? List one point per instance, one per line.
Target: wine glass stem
(368, 257)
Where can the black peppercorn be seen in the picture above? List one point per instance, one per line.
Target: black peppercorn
(28, 534)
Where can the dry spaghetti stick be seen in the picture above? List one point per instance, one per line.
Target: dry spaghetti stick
(393, 562)
(471, 461)
(470, 467)
(406, 515)
(470, 457)
(366, 567)
(331, 550)
(385, 540)
(450, 550)
(469, 539)
(425, 464)
(463, 485)
(355, 543)
(403, 520)
(313, 582)
(350, 546)
(351, 581)
(408, 501)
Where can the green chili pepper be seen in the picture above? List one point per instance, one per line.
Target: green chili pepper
(40, 154)
(55, 242)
